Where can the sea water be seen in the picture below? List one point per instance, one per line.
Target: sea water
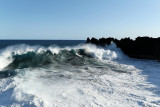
(51, 73)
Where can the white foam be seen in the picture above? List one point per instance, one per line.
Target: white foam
(88, 85)
(94, 51)
(96, 87)
(97, 52)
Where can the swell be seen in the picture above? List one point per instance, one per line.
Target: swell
(25, 56)
(33, 59)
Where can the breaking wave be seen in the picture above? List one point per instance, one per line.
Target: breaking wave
(82, 75)
(24, 56)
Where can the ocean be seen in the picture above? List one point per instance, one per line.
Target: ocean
(70, 73)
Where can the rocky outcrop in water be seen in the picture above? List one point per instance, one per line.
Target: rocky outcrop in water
(141, 47)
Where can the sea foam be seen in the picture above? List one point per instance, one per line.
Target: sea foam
(83, 75)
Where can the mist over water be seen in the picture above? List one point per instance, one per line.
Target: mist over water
(76, 75)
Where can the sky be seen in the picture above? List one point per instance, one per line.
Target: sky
(78, 19)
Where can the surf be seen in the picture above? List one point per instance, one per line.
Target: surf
(78, 75)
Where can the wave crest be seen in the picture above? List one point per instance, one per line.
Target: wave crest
(24, 56)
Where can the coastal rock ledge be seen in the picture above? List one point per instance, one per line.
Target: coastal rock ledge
(141, 47)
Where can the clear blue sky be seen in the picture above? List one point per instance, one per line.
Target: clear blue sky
(78, 19)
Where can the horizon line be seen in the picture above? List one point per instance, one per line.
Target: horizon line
(44, 39)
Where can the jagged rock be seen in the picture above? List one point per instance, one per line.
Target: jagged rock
(88, 40)
(95, 41)
(141, 47)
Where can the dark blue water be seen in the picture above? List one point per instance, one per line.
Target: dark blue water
(61, 43)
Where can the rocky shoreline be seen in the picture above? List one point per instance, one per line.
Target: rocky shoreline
(141, 47)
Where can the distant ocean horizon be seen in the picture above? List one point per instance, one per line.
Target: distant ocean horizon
(9, 42)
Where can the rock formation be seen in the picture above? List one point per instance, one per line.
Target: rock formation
(141, 47)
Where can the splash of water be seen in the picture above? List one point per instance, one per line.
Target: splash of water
(83, 75)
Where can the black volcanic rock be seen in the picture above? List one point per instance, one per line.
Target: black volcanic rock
(141, 47)
(95, 41)
(104, 41)
(88, 40)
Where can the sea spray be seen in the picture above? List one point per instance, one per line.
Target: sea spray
(30, 56)
(82, 75)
